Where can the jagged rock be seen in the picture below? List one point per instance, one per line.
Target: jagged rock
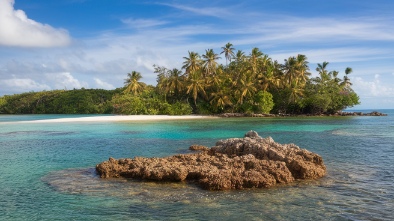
(252, 134)
(236, 163)
(373, 113)
(196, 147)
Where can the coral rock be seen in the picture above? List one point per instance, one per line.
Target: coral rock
(236, 163)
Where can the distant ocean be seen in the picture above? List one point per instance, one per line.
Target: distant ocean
(47, 170)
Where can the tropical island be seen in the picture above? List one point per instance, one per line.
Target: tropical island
(250, 83)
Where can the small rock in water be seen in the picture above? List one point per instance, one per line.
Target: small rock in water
(252, 134)
(198, 147)
(236, 163)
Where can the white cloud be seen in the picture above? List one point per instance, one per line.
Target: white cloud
(143, 23)
(24, 84)
(206, 11)
(16, 29)
(373, 88)
(307, 29)
(341, 54)
(103, 84)
(65, 80)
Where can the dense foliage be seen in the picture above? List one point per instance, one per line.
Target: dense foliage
(82, 101)
(252, 83)
(255, 83)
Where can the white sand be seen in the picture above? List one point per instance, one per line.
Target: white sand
(118, 118)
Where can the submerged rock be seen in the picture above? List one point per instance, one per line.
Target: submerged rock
(196, 147)
(236, 163)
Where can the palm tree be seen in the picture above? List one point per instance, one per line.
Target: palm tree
(302, 69)
(321, 68)
(296, 69)
(239, 56)
(334, 74)
(289, 69)
(192, 63)
(209, 61)
(132, 83)
(296, 91)
(162, 79)
(245, 87)
(254, 59)
(196, 85)
(324, 77)
(215, 80)
(346, 80)
(268, 79)
(175, 82)
(220, 100)
(228, 51)
(238, 66)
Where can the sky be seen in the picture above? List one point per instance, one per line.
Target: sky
(67, 44)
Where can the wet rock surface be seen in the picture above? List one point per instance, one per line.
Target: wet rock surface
(236, 163)
(373, 113)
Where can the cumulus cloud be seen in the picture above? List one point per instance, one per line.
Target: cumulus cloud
(24, 84)
(16, 29)
(103, 84)
(65, 80)
(373, 88)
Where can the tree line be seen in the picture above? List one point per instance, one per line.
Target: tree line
(246, 83)
(251, 83)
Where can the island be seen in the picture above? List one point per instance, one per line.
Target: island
(248, 83)
(235, 163)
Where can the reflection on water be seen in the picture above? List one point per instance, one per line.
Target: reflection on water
(87, 182)
(327, 197)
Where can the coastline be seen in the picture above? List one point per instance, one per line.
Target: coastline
(128, 118)
(338, 114)
(119, 118)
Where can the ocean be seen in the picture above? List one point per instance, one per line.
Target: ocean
(47, 170)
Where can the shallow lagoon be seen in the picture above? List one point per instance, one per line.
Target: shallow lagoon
(46, 170)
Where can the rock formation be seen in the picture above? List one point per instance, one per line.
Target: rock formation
(236, 163)
(373, 113)
(196, 147)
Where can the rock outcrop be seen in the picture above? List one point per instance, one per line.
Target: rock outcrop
(373, 113)
(237, 163)
(196, 147)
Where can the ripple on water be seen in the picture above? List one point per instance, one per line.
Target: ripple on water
(328, 197)
(86, 181)
(23, 133)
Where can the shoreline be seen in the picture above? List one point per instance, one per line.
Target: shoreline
(118, 118)
(129, 118)
(338, 114)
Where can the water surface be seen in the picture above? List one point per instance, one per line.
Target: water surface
(47, 170)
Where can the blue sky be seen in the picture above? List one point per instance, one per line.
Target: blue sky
(46, 44)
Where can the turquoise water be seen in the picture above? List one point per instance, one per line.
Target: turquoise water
(47, 170)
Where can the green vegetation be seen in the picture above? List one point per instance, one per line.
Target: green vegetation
(82, 101)
(252, 83)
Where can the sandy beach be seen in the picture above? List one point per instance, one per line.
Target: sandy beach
(119, 118)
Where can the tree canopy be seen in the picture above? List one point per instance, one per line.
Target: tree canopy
(255, 83)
